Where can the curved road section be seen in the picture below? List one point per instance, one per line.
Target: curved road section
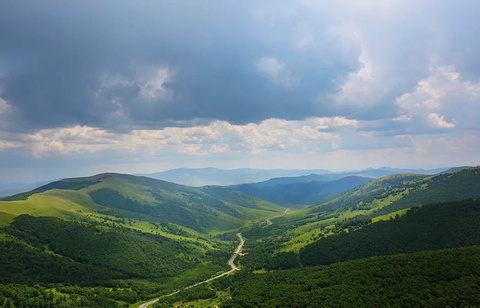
(269, 222)
(235, 254)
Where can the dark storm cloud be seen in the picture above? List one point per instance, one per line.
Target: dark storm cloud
(54, 55)
(119, 64)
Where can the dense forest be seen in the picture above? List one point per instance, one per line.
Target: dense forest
(134, 254)
(444, 278)
(49, 262)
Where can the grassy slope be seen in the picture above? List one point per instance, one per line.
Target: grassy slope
(78, 205)
(140, 199)
(429, 227)
(126, 229)
(64, 204)
(398, 192)
(376, 200)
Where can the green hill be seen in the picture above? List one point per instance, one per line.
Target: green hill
(134, 254)
(114, 239)
(377, 200)
(429, 227)
(91, 262)
(121, 196)
(397, 192)
(425, 258)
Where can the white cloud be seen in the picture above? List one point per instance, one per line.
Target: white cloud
(438, 121)
(150, 81)
(4, 107)
(303, 37)
(152, 84)
(219, 148)
(418, 152)
(271, 143)
(333, 122)
(4, 145)
(313, 134)
(77, 139)
(452, 151)
(275, 70)
(442, 100)
(6, 114)
(116, 79)
(376, 36)
(270, 66)
(365, 87)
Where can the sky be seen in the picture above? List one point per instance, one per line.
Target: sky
(146, 86)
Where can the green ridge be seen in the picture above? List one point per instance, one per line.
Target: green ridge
(429, 227)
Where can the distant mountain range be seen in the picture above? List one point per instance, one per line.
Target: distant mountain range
(298, 189)
(301, 191)
(8, 188)
(224, 177)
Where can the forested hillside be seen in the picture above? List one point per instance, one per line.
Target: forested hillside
(117, 232)
(443, 278)
(397, 263)
(131, 253)
(281, 154)
(429, 227)
(393, 193)
(377, 200)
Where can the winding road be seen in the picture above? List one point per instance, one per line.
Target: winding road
(269, 222)
(235, 254)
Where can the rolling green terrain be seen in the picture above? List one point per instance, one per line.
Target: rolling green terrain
(118, 232)
(131, 253)
(115, 240)
(377, 200)
(393, 193)
(398, 263)
(429, 227)
(416, 255)
(202, 209)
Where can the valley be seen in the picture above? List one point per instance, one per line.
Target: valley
(231, 261)
(115, 240)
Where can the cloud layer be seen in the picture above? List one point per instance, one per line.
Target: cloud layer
(222, 82)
